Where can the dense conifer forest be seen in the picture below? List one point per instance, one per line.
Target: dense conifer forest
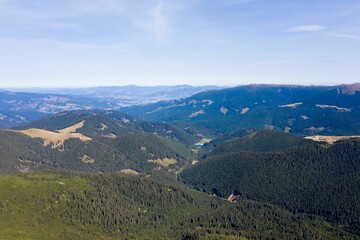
(315, 179)
(70, 205)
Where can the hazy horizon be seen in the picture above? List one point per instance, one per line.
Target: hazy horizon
(176, 85)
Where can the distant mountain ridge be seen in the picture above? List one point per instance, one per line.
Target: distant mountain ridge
(142, 90)
(305, 110)
(19, 108)
(125, 95)
(24, 105)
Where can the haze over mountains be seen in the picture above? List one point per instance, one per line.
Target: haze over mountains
(128, 95)
(18, 106)
(305, 110)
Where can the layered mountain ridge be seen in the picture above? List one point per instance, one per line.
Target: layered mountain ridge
(221, 164)
(304, 110)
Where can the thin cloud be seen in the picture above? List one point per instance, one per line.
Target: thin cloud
(306, 28)
(345, 36)
(149, 16)
(153, 20)
(159, 23)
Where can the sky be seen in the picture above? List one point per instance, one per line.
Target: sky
(84, 43)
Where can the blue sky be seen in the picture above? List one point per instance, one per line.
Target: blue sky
(73, 43)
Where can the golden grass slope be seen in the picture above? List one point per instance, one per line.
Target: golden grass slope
(72, 129)
(329, 139)
(203, 141)
(57, 138)
(164, 162)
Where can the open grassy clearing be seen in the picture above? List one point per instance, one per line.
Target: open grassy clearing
(57, 138)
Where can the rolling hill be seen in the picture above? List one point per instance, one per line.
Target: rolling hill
(106, 123)
(98, 141)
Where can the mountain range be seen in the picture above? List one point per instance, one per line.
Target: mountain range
(127, 95)
(23, 105)
(237, 163)
(304, 110)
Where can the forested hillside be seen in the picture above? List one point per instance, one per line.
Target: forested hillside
(98, 141)
(114, 123)
(261, 141)
(316, 179)
(88, 206)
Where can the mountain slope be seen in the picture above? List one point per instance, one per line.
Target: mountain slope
(302, 110)
(88, 206)
(110, 123)
(299, 179)
(105, 141)
(261, 141)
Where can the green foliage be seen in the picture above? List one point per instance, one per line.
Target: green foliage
(72, 205)
(101, 123)
(133, 150)
(262, 141)
(315, 179)
(221, 237)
